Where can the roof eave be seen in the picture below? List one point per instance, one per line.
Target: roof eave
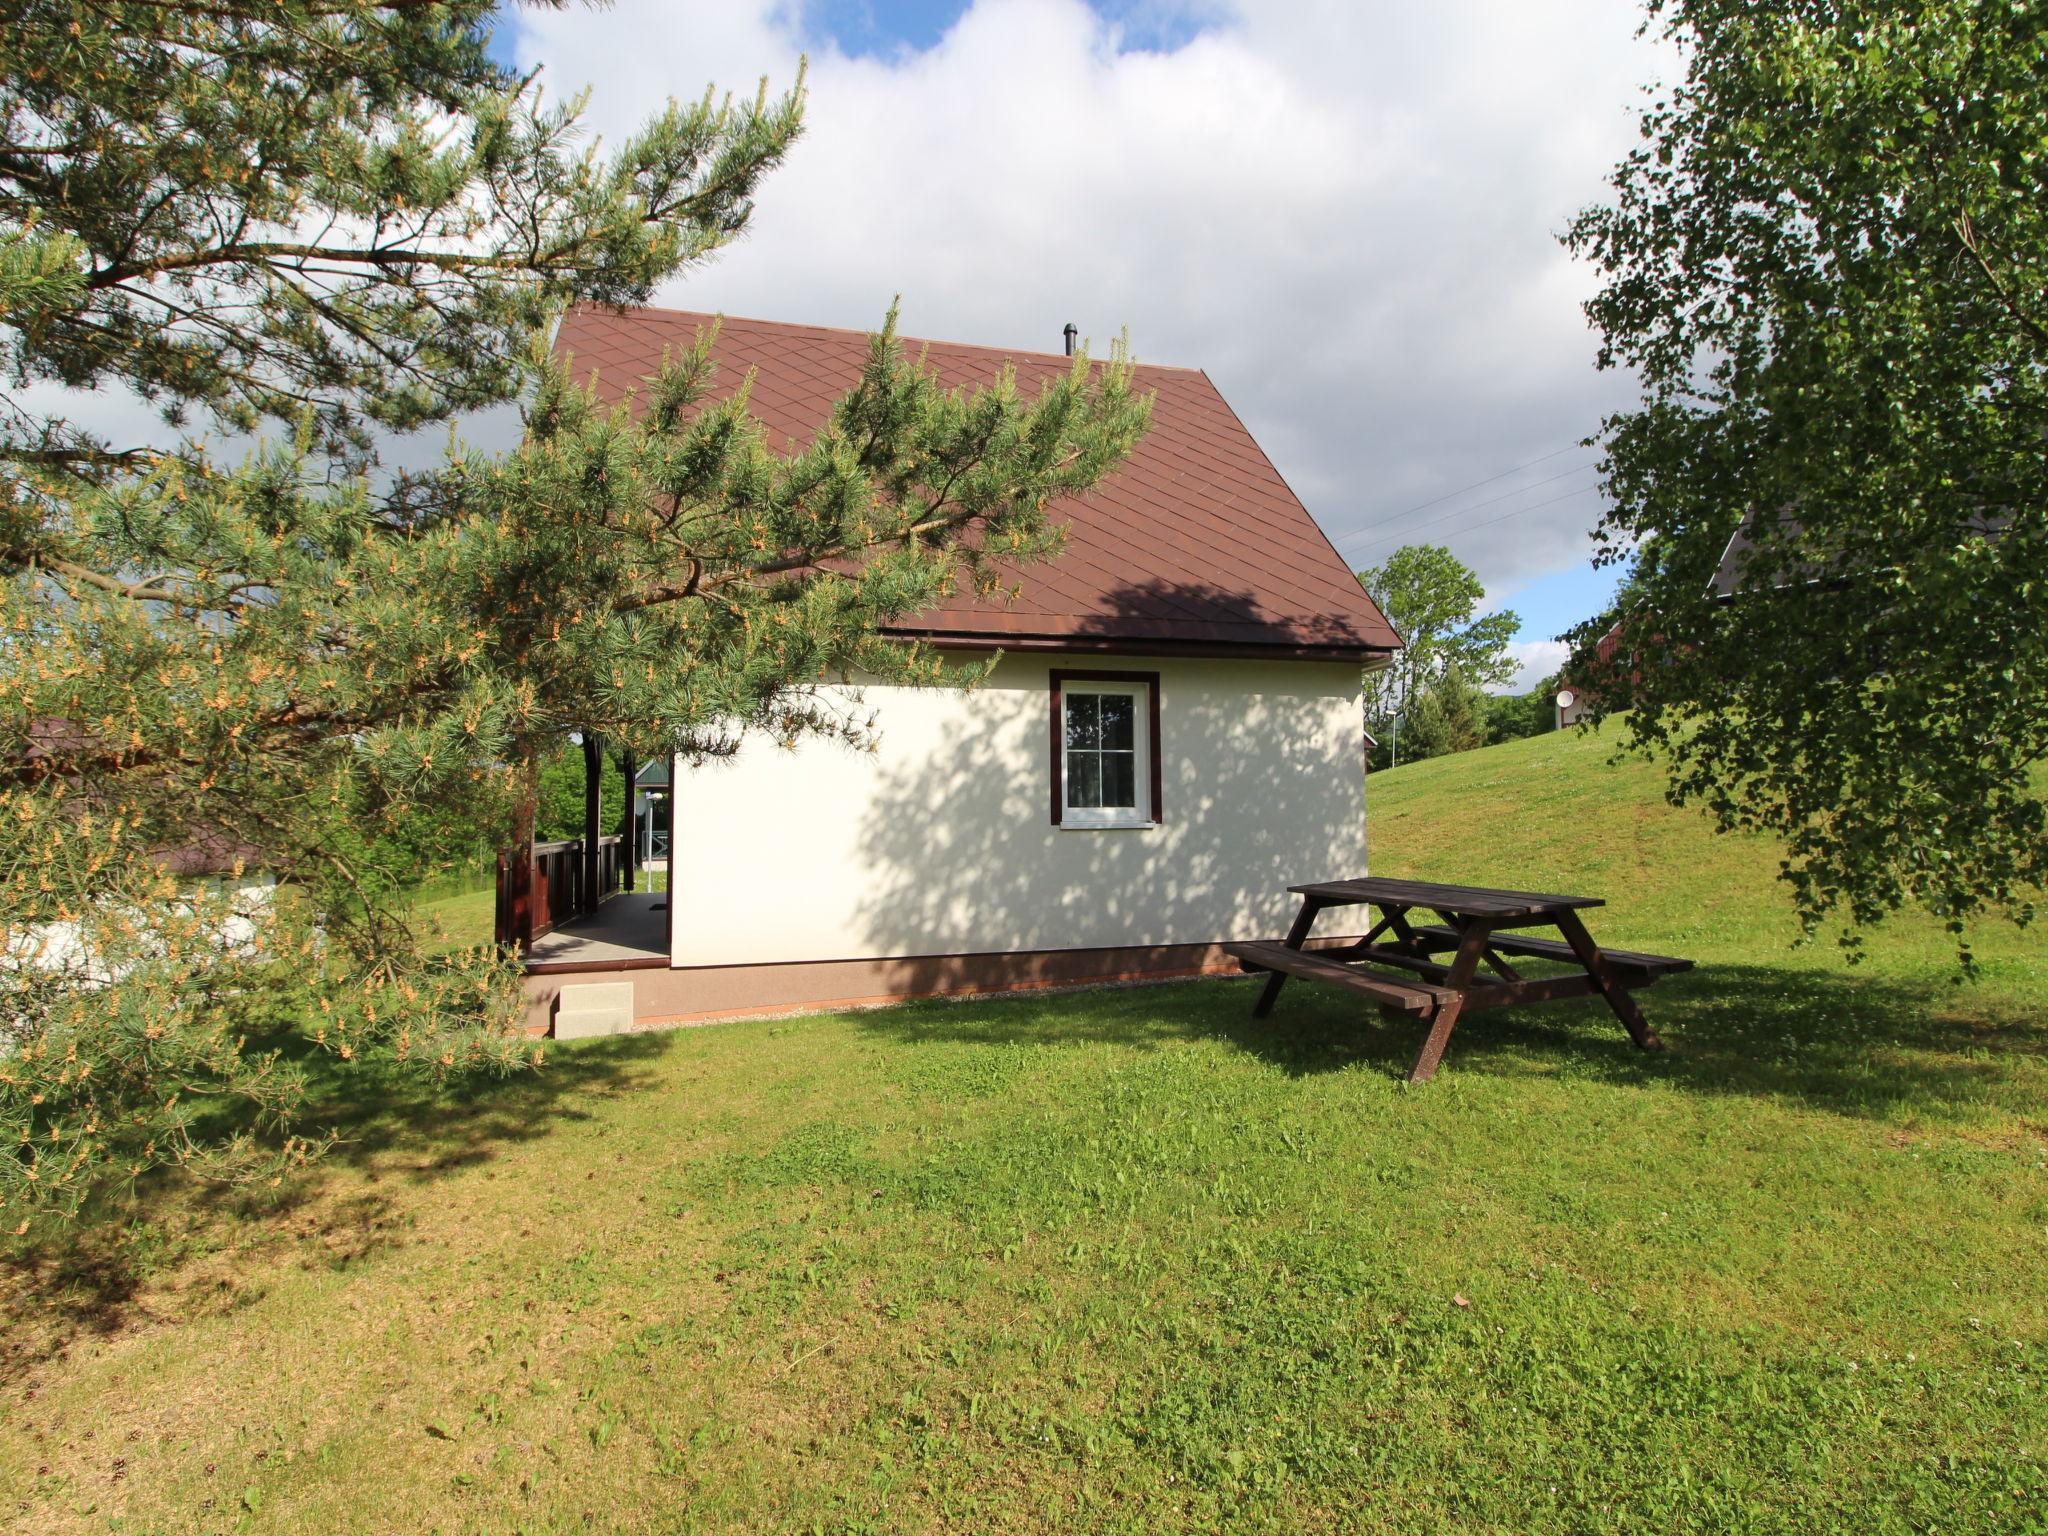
(1360, 652)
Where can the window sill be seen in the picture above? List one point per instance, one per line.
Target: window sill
(1107, 826)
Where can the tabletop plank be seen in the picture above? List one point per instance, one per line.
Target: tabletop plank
(1464, 900)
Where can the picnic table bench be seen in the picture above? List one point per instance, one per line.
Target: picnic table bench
(1476, 926)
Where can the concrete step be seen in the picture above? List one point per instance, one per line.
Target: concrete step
(594, 1008)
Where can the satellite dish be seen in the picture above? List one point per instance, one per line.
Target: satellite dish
(1566, 698)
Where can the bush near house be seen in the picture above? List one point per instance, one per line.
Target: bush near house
(560, 813)
(1452, 716)
(1128, 1259)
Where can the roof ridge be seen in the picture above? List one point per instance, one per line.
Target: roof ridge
(848, 330)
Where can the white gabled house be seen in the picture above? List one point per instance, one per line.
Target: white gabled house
(1172, 736)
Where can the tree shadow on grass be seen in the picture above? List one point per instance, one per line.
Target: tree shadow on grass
(1851, 1044)
(397, 1114)
(388, 1124)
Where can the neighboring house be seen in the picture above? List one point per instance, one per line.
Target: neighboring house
(1573, 700)
(650, 812)
(1811, 568)
(1737, 571)
(1174, 734)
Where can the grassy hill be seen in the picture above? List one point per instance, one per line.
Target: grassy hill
(1895, 1033)
(1129, 1260)
(1556, 812)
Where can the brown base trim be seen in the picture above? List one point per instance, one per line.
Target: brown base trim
(891, 999)
(664, 997)
(570, 967)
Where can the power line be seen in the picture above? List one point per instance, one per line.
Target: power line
(1576, 469)
(1434, 522)
(1476, 484)
(1475, 527)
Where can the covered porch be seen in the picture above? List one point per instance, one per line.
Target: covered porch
(628, 932)
(582, 903)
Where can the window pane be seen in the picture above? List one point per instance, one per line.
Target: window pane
(1119, 780)
(1084, 721)
(1084, 780)
(1119, 710)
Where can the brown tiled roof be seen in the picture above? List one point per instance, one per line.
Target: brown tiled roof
(1194, 545)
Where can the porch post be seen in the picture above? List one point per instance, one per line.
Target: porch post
(629, 834)
(513, 920)
(593, 817)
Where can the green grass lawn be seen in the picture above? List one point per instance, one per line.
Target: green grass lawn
(463, 920)
(1128, 1261)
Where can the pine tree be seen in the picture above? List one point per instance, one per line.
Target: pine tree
(326, 220)
(1449, 716)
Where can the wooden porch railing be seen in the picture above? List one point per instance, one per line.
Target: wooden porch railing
(553, 884)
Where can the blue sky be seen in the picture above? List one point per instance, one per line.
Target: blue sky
(870, 28)
(885, 26)
(1346, 214)
(882, 26)
(1552, 604)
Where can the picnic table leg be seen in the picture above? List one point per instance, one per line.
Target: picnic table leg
(1492, 956)
(1297, 936)
(1574, 930)
(1397, 919)
(1463, 967)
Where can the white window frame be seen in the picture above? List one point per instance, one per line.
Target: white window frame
(1097, 818)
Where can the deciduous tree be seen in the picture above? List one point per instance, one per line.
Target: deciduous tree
(1430, 596)
(1828, 265)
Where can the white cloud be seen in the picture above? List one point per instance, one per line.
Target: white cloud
(1345, 213)
(1534, 661)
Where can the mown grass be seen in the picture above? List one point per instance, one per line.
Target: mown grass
(1129, 1261)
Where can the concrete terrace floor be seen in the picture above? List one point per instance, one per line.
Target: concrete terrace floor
(633, 925)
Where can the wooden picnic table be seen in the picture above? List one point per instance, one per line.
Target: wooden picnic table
(1395, 964)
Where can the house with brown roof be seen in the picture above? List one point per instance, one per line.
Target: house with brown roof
(1173, 733)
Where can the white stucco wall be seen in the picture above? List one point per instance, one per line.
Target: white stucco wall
(940, 841)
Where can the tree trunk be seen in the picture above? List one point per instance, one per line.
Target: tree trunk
(515, 864)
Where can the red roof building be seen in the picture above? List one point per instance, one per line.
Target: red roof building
(1195, 546)
(1173, 735)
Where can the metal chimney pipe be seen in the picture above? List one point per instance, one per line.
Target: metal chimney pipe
(1070, 333)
